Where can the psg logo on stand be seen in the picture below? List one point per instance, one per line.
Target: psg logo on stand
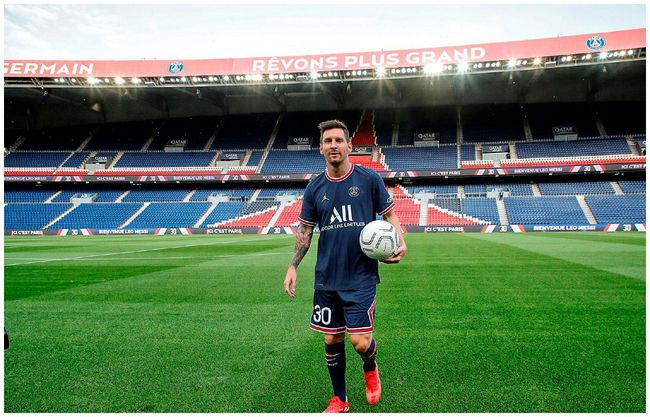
(175, 67)
(595, 42)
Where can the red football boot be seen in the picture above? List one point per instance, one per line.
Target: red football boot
(373, 385)
(337, 406)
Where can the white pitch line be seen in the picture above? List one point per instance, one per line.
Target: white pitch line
(136, 251)
(171, 257)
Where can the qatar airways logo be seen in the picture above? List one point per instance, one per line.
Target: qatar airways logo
(45, 68)
(367, 60)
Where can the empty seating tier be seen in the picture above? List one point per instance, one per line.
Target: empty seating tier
(544, 210)
(618, 208)
(32, 216)
(97, 216)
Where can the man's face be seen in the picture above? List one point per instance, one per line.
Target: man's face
(334, 147)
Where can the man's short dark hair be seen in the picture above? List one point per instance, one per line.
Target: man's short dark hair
(333, 124)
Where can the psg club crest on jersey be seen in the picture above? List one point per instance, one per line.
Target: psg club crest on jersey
(175, 67)
(353, 191)
(595, 42)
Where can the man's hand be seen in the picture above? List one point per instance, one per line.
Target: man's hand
(290, 282)
(397, 255)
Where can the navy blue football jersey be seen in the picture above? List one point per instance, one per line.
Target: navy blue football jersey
(341, 207)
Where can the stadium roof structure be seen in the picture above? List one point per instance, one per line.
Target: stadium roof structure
(607, 66)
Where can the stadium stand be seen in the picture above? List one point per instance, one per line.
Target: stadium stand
(573, 188)
(255, 158)
(618, 208)
(610, 146)
(492, 122)
(544, 210)
(484, 209)
(223, 212)
(272, 192)
(256, 219)
(515, 188)
(76, 160)
(202, 194)
(245, 131)
(103, 196)
(169, 215)
(622, 118)
(129, 136)
(32, 216)
(365, 133)
(434, 188)
(143, 196)
(35, 159)
(632, 186)
(303, 124)
(56, 139)
(165, 159)
(413, 158)
(27, 196)
(544, 116)
(195, 130)
(97, 216)
(384, 122)
(281, 161)
(416, 120)
(289, 215)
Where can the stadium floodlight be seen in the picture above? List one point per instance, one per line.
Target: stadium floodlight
(463, 66)
(93, 80)
(247, 77)
(183, 79)
(602, 55)
(433, 68)
(211, 78)
(380, 71)
(335, 73)
(524, 62)
(365, 72)
(314, 75)
(135, 80)
(106, 80)
(512, 63)
(282, 77)
(347, 73)
(630, 52)
(74, 80)
(537, 61)
(272, 77)
(226, 78)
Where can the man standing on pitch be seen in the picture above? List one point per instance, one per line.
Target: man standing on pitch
(342, 200)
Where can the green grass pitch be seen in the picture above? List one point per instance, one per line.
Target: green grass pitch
(540, 322)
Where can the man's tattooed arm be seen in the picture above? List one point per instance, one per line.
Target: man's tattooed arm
(303, 241)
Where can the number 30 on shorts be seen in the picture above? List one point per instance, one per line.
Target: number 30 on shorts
(322, 315)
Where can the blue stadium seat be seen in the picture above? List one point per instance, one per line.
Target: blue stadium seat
(24, 216)
(618, 208)
(142, 196)
(97, 216)
(544, 211)
(422, 158)
(574, 188)
(223, 211)
(169, 215)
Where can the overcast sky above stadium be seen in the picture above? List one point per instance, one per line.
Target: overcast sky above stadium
(125, 32)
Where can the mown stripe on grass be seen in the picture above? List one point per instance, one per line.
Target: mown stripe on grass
(615, 257)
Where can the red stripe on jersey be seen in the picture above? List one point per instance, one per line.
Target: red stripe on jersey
(339, 179)
(326, 330)
(308, 223)
(387, 209)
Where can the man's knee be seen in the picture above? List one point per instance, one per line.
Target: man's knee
(361, 342)
(332, 339)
